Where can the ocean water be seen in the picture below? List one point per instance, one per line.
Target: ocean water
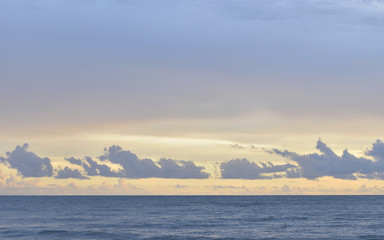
(192, 217)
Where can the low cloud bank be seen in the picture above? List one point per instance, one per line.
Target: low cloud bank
(346, 166)
(244, 169)
(128, 165)
(133, 167)
(28, 164)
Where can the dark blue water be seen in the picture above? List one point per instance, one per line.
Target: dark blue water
(192, 217)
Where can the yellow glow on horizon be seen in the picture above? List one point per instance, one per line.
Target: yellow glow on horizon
(164, 140)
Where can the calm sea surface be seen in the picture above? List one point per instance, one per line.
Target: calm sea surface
(192, 217)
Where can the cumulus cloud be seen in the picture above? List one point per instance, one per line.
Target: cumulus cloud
(244, 169)
(181, 169)
(74, 161)
(327, 163)
(93, 168)
(309, 166)
(70, 173)
(28, 164)
(133, 167)
(377, 150)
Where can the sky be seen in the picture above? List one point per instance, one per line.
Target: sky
(182, 97)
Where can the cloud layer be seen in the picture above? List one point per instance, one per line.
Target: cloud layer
(128, 165)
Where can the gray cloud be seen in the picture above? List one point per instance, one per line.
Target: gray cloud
(181, 169)
(346, 166)
(377, 150)
(28, 164)
(74, 161)
(133, 167)
(309, 166)
(70, 173)
(93, 168)
(244, 169)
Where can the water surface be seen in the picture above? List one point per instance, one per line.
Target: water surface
(191, 217)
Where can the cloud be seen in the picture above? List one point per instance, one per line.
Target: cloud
(236, 146)
(14, 182)
(244, 169)
(181, 169)
(28, 164)
(377, 150)
(310, 166)
(228, 187)
(133, 167)
(70, 173)
(74, 161)
(364, 189)
(93, 168)
(22, 186)
(349, 12)
(2, 181)
(346, 166)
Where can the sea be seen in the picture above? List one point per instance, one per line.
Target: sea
(191, 217)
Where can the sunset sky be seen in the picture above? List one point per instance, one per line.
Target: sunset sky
(191, 97)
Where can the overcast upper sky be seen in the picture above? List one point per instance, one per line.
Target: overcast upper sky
(197, 90)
